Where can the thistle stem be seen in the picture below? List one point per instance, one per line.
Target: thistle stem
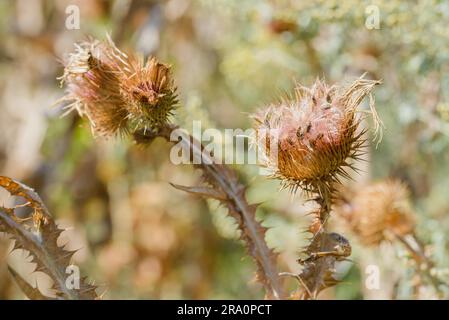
(224, 179)
(316, 278)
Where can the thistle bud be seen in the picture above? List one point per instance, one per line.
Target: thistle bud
(92, 80)
(149, 92)
(308, 140)
(378, 211)
(115, 91)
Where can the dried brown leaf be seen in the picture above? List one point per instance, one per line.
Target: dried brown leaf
(40, 239)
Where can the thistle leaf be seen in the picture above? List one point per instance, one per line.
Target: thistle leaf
(40, 239)
(31, 292)
(223, 185)
(201, 191)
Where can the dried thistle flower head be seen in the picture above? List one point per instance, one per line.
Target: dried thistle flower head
(308, 140)
(149, 92)
(92, 80)
(378, 211)
(115, 91)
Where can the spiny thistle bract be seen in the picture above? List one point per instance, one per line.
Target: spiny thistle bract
(307, 140)
(115, 91)
(378, 211)
(149, 93)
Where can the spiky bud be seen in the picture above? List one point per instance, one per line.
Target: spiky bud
(323, 252)
(93, 87)
(115, 91)
(378, 211)
(149, 92)
(308, 140)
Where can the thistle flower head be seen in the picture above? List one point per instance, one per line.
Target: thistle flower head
(149, 92)
(93, 87)
(378, 211)
(115, 91)
(307, 140)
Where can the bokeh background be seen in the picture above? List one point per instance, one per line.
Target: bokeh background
(141, 238)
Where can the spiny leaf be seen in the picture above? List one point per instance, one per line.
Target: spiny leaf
(201, 191)
(252, 232)
(231, 193)
(31, 292)
(40, 239)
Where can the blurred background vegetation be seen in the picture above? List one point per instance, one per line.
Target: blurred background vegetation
(139, 237)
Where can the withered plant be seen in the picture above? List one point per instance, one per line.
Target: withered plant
(316, 137)
(117, 92)
(140, 105)
(310, 141)
(319, 135)
(38, 235)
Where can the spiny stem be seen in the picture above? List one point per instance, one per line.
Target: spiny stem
(323, 252)
(222, 177)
